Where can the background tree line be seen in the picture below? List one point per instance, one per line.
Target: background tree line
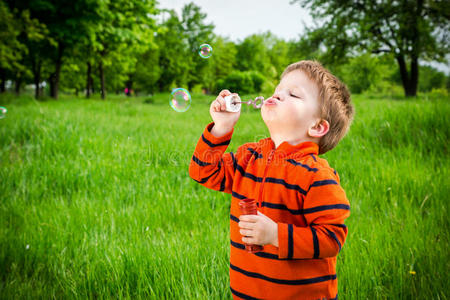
(96, 46)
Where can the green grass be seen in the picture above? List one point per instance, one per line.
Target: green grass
(96, 200)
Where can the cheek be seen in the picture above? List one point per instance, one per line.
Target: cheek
(295, 111)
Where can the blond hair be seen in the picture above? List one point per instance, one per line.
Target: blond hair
(334, 101)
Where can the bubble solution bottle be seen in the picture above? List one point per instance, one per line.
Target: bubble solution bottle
(248, 207)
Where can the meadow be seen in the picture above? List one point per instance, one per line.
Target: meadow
(96, 200)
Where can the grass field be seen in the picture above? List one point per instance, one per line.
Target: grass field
(96, 200)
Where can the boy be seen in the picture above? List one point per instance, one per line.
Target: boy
(301, 206)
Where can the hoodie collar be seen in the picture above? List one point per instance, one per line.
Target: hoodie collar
(285, 149)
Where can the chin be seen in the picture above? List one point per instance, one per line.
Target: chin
(269, 118)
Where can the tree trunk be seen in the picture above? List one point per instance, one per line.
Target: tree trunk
(37, 78)
(89, 80)
(54, 77)
(3, 81)
(37, 81)
(409, 81)
(412, 89)
(18, 83)
(102, 79)
(129, 85)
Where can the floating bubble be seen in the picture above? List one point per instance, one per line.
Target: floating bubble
(205, 51)
(181, 100)
(3, 112)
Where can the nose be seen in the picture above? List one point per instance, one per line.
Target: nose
(278, 96)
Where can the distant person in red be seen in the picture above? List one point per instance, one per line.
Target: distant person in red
(301, 204)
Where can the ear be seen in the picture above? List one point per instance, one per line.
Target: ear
(319, 129)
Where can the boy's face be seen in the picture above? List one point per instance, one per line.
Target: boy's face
(296, 107)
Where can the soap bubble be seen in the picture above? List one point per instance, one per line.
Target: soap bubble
(205, 51)
(3, 112)
(181, 100)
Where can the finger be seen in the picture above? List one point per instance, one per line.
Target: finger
(217, 106)
(246, 232)
(249, 218)
(262, 215)
(222, 103)
(246, 225)
(224, 93)
(249, 240)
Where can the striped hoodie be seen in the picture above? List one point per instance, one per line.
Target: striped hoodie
(297, 190)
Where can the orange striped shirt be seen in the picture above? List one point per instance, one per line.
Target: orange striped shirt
(297, 190)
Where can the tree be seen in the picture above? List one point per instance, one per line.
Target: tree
(20, 40)
(147, 71)
(252, 54)
(410, 30)
(11, 50)
(220, 64)
(431, 78)
(196, 33)
(67, 23)
(175, 59)
(123, 27)
(366, 71)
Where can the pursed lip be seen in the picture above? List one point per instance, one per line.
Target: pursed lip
(270, 101)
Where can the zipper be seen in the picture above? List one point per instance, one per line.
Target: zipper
(264, 178)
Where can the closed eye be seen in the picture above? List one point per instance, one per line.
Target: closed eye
(292, 95)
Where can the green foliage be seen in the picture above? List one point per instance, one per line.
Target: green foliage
(257, 81)
(220, 64)
(431, 78)
(409, 30)
(147, 71)
(366, 72)
(196, 32)
(134, 44)
(252, 54)
(236, 82)
(175, 60)
(241, 82)
(22, 38)
(11, 49)
(73, 76)
(439, 94)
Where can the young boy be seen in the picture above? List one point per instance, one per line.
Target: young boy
(301, 205)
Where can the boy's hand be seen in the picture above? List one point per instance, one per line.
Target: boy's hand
(224, 120)
(258, 229)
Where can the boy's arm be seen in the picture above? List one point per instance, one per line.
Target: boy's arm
(325, 209)
(210, 166)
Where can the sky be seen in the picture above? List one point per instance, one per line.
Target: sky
(237, 19)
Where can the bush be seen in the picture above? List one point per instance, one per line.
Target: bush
(430, 78)
(257, 80)
(367, 72)
(242, 82)
(439, 94)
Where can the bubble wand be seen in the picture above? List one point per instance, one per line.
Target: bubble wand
(233, 102)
